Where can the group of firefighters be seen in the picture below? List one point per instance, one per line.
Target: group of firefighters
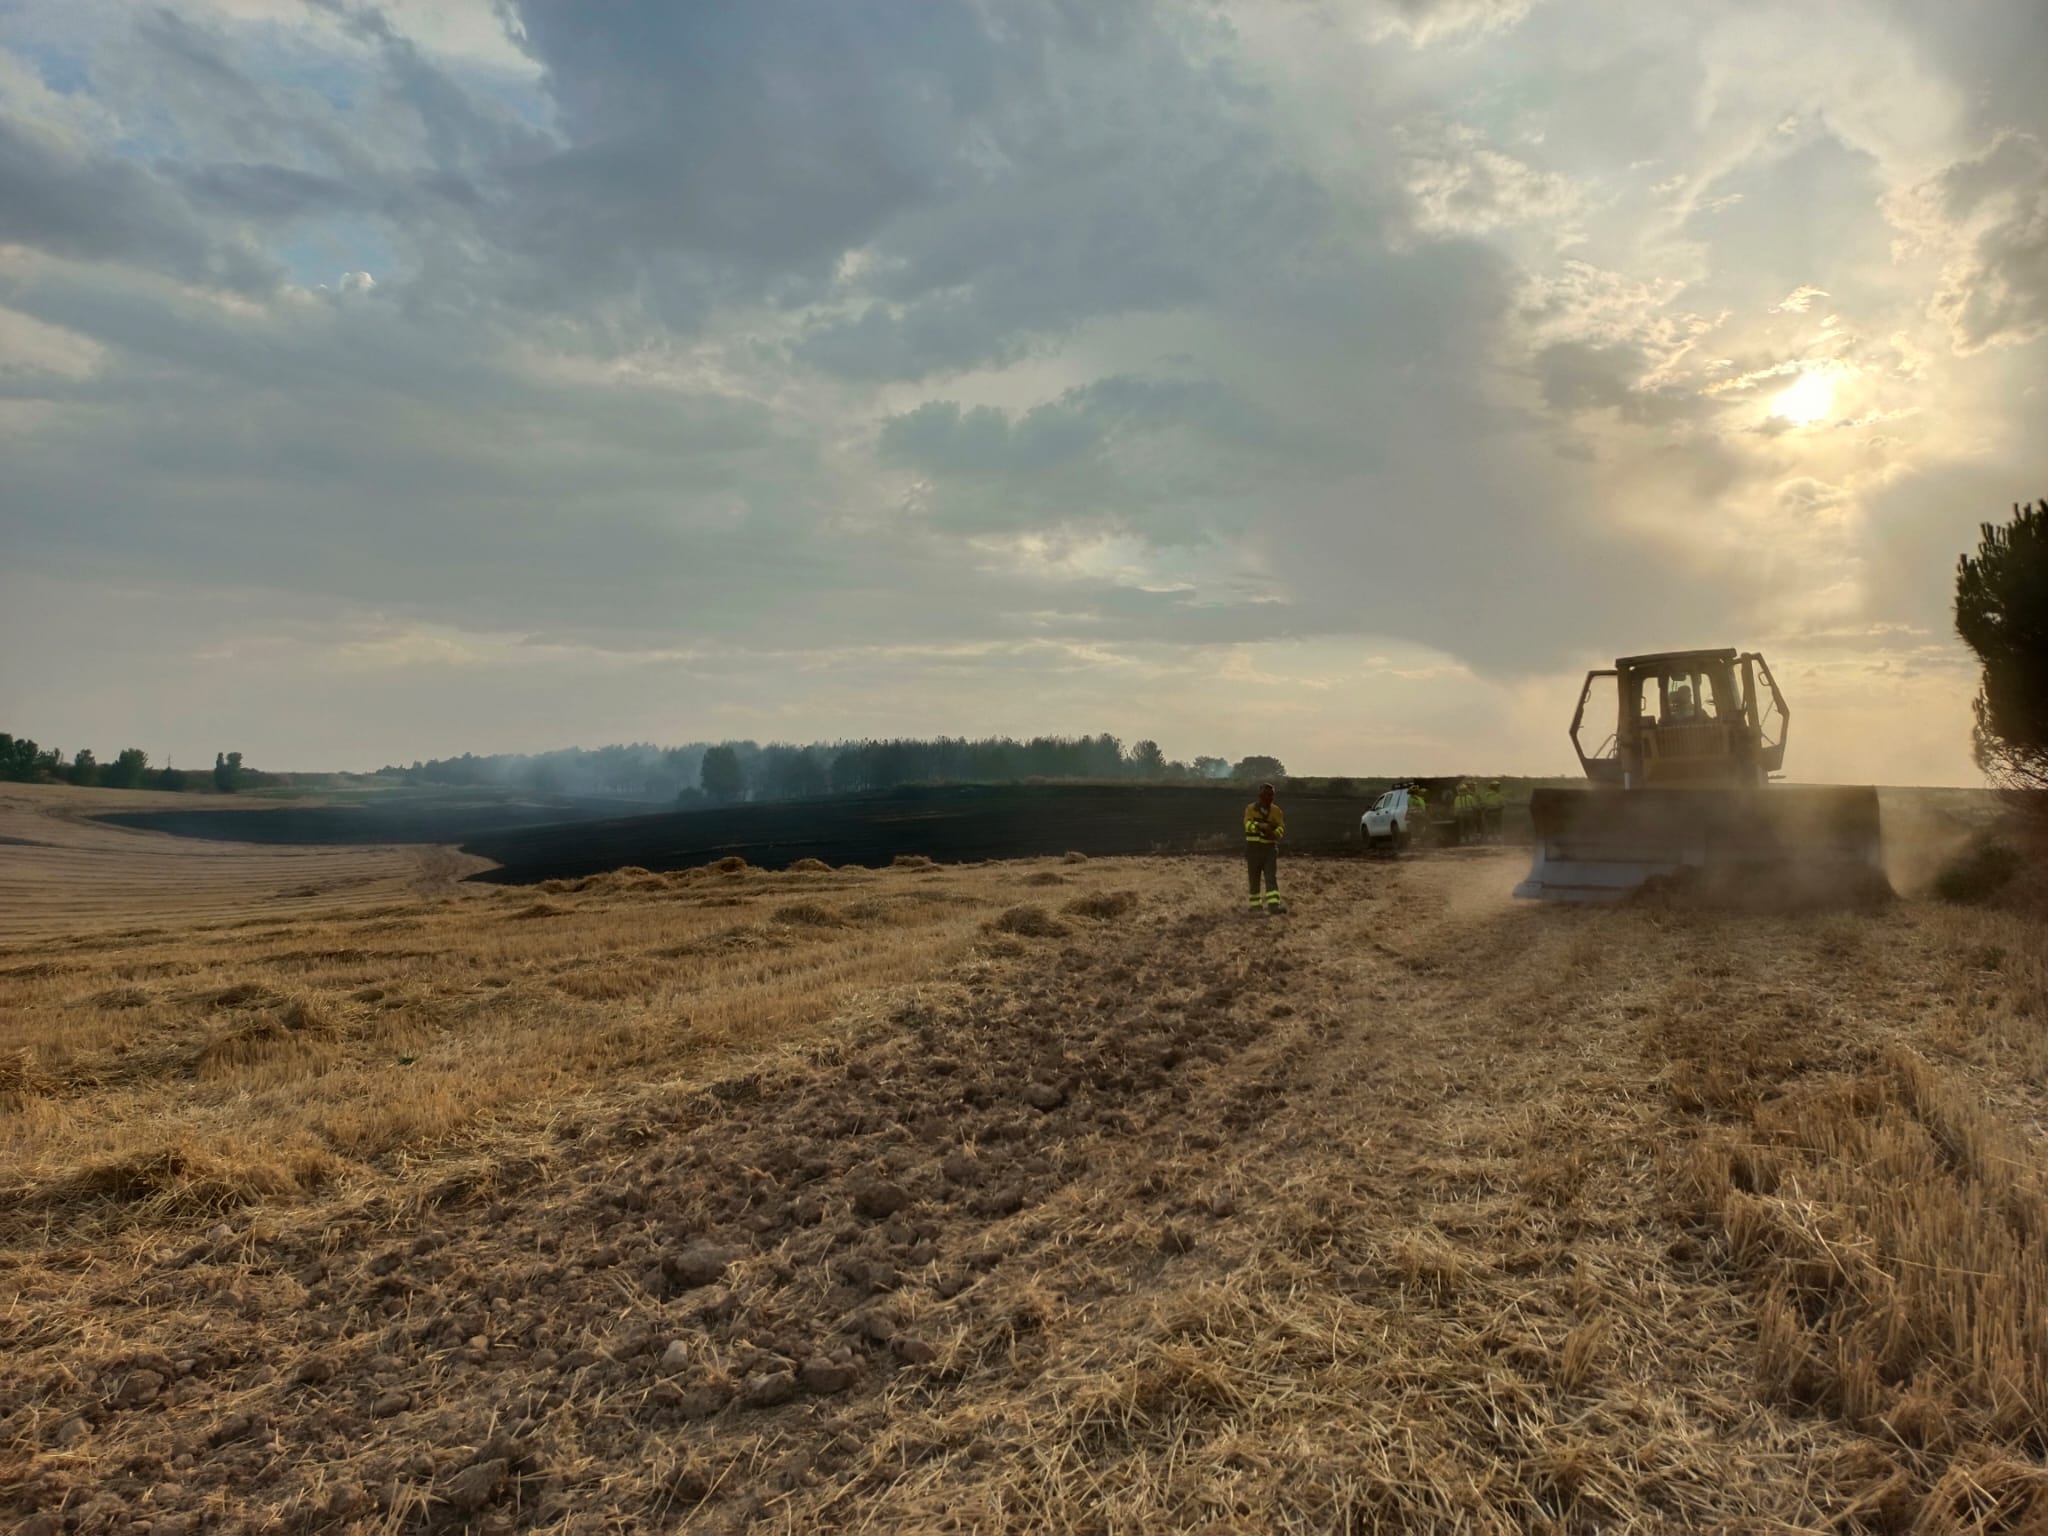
(1479, 811)
(1478, 820)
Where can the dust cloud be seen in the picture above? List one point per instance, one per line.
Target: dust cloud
(1925, 829)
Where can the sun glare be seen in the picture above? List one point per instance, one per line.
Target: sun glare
(1805, 400)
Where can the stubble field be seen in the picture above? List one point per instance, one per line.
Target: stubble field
(1034, 1195)
(62, 872)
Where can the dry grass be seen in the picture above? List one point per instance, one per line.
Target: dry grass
(1102, 906)
(855, 1201)
(1029, 920)
(62, 873)
(347, 1045)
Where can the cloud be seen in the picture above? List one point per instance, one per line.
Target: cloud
(748, 144)
(955, 349)
(1989, 212)
(34, 355)
(1799, 300)
(1424, 22)
(1462, 186)
(1063, 214)
(1171, 457)
(59, 196)
(1576, 376)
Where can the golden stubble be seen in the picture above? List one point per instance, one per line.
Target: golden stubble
(1416, 1210)
(305, 1050)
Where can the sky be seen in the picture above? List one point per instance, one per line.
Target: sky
(1334, 379)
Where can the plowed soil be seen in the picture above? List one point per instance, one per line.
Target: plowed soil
(1114, 1208)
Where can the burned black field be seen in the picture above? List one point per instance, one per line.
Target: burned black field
(951, 824)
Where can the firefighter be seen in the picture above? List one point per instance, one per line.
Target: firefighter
(1264, 825)
(1491, 805)
(1467, 807)
(1418, 815)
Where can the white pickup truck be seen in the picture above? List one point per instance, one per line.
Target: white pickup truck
(1391, 822)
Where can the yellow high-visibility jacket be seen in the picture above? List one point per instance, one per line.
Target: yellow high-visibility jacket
(1467, 801)
(1267, 826)
(1491, 799)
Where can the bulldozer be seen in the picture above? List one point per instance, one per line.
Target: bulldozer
(1681, 796)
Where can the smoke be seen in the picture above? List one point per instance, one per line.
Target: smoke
(639, 771)
(1924, 829)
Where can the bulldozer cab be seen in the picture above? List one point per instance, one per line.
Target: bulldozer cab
(1683, 719)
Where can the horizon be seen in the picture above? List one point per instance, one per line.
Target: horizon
(1337, 382)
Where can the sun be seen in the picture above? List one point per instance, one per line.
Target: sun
(1805, 400)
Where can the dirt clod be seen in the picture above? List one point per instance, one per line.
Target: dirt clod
(700, 1402)
(828, 1376)
(138, 1388)
(390, 1403)
(1000, 1202)
(912, 1351)
(872, 1325)
(474, 1486)
(232, 1428)
(769, 1391)
(698, 1264)
(1046, 1096)
(881, 1199)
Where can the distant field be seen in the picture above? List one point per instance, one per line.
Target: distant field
(63, 871)
(1057, 1194)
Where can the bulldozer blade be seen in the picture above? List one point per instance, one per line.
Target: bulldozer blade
(1772, 848)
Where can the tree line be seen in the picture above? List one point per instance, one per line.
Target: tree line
(22, 761)
(730, 771)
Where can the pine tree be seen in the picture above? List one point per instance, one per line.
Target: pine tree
(2002, 615)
